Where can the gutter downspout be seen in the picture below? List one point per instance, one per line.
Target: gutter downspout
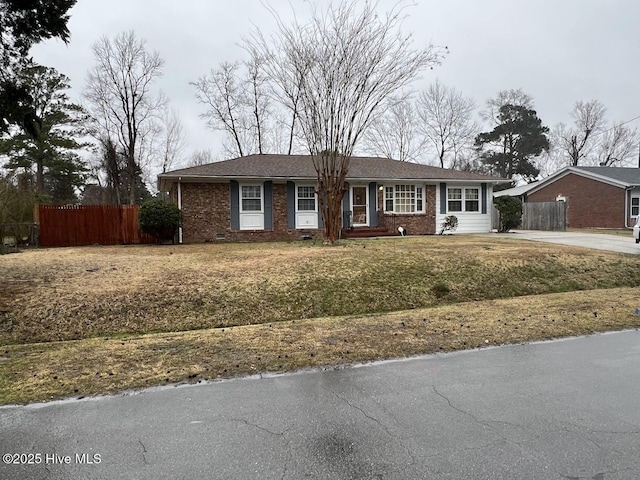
(180, 208)
(626, 207)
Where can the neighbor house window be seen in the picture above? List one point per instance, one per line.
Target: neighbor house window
(251, 198)
(306, 199)
(404, 198)
(635, 206)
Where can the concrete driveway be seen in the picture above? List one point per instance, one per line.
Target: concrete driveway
(599, 241)
(547, 411)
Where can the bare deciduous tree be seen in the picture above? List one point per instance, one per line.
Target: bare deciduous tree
(618, 146)
(257, 100)
(174, 141)
(348, 59)
(235, 95)
(200, 157)
(284, 84)
(577, 142)
(393, 133)
(122, 103)
(220, 91)
(446, 122)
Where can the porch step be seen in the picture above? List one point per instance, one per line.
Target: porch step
(366, 232)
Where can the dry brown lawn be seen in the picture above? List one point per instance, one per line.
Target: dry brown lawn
(82, 321)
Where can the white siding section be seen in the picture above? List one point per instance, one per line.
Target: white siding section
(306, 220)
(252, 221)
(471, 222)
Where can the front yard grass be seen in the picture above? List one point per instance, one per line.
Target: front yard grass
(82, 321)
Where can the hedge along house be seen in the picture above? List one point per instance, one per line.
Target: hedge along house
(272, 197)
(596, 197)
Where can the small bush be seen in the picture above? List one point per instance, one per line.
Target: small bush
(159, 219)
(449, 225)
(510, 209)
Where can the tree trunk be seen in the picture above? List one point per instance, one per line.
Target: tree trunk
(331, 205)
(40, 175)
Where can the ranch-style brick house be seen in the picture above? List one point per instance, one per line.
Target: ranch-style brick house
(272, 197)
(596, 197)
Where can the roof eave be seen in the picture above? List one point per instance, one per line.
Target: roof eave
(166, 180)
(583, 173)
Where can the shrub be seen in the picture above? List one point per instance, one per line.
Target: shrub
(449, 225)
(159, 219)
(510, 210)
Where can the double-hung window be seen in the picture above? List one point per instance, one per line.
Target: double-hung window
(404, 198)
(251, 198)
(471, 200)
(635, 206)
(454, 199)
(306, 206)
(306, 199)
(463, 199)
(252, 207)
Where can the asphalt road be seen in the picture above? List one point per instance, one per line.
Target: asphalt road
(599, 241)
(557, 410)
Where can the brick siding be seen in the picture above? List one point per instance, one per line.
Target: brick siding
(414, 224)
(590, 203)
(206, 216)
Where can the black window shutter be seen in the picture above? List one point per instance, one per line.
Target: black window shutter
(443, 198)
(291, 205)
(235, 205)
(268, 205)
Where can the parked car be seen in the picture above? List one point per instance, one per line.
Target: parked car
(636, 230)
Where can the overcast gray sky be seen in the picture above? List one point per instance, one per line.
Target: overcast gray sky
(557, 51)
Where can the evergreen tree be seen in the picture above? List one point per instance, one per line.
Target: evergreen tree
(50, 149)
(510, 148)
(24, 23)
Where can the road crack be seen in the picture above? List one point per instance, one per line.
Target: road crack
(397, 438)
(144, 451)
(487, 424)
(259, 427)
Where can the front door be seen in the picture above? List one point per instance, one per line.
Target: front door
(360, 206)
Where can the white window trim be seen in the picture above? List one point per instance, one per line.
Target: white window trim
(315, 197)
(463, 199)
(393, 186)
(261, 197)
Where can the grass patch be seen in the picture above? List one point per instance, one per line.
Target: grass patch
(45, 371)
(82, 321)
(79, 293)
(623, 232)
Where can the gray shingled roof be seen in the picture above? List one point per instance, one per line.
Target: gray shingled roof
(630, 176)
(516, 191)
(301, 166)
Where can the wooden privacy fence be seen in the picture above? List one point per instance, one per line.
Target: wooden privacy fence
(76, 225)
(550, 216)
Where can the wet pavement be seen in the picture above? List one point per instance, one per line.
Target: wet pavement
(598, 241)
(556, 410)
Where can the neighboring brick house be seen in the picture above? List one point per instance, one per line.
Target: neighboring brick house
(272, 197)
(602, 197)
